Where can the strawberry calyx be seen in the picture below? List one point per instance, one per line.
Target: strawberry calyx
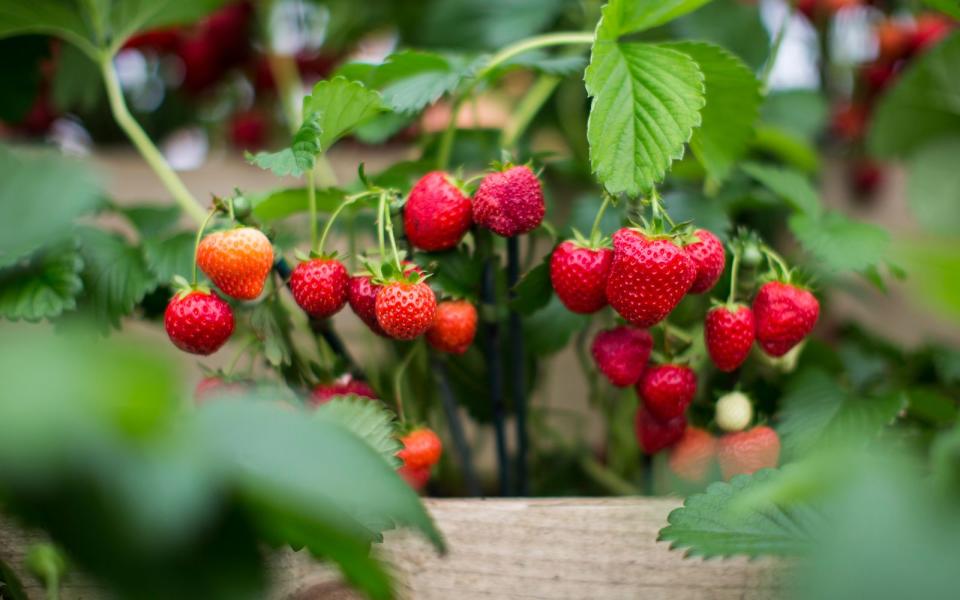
(183, 288)
(316, 254)
(385, 272)
(594, 242)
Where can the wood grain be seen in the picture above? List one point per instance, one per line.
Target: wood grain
(557, 549)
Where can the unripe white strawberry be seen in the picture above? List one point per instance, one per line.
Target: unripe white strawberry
(734, 412)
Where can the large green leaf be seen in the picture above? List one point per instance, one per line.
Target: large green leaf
(933, 265)
(411, 80)
(283, 203)
(792, 186)
(548, 330)
(43, 287)
(922, 107)
(299, 158)
(621, 17)
(710, 524)
(733, 102)
(340, 105)
(933, 186)
(841, 244)
(170, 256)
(368, 419)
(534, 290)
(646, 102)
(469, 24)
(115, 275)
(733, 24)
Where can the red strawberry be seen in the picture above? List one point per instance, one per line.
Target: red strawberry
(345, 386)
(748, 451)
(454, 327)
(509, 202)
(729, 334)
(248, 130)
(437, 215)
(849, 121)
(237, 261)
(421, 448)
(785, 314)
(579, 276)
(654, 435)
(648, 278)
(319, 286)
(415, 478)
(690, 459)
(930, 29)
(215, 387)
(667, 390)
(405, 310)
(362, 295)
(893, 40)
(198, 322)
(621, 353)
(708, 255)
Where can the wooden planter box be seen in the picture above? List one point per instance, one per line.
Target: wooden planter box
(506, 549)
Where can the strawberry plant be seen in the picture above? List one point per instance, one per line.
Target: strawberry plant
(645, 200)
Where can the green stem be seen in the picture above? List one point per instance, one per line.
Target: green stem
(595, 229)
(398, 380)
(393, 239)
(606, 478)
(148, 150)
(676, 332)
(284, 70)
(196, 241)
(775, 49)
(326, 229)
(528, 108)
(244, 348)
(776, 259)
(734, 271)
(381, 223)
(312, 201)
(446, 142)
(53, 587)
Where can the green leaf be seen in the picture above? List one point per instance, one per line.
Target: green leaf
(561, 65)
(733, 102)
(469, 24)
(817, 413)
(732, 24)
(383, 127)
(152, 220)
(42, 287)
(801, 112)
(339, 105)
(548, 330)
(923, 105)
(76, 84)
(115, 275)
(170, 256)
(931, 406)
(271, 326)
(411, 80)
(949, 7)
(533, 290)
(933, 265)
(455, 272)
(280, 204)
(621, 17)
(933, 186)
(841, 244)
(646, 102)
(710, 524)
(370, 420)
(792, 186)
(786, 147)
(299, 157)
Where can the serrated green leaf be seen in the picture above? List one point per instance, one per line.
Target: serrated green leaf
(534, 290)
(792, 186)
(709, 524)
(817, 413)
(411, 80)
(115, 275)
(646, 102)
(339, 105)
(42, 287)
(170, 256)
(561, 65)
(368, 419)
(299, 157)
(841, 244)
(924, 104)
(733, 102)
(271, 327)
(621, 17)
(933, 186)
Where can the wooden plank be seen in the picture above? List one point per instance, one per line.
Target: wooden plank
(523, 549)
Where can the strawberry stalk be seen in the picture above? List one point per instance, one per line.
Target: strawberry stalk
(734, 272)
(196, 241)
(393, 240)
(595, 229)
(398, 380)
(381, 207)
(312, 201)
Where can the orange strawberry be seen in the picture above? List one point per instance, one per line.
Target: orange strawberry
(748, 451)
(237, 261)
(690, 459)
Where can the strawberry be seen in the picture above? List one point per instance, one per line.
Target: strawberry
(421, 448)
(362, 295)
(345, 386)
(454, 327)
(690, 459)
(648, 277)
(729, 333)
(214, 387)
(319, 286)
(621, 353)
(237, 261)
(784, 314)
(437, 215)
(748, 451)
(509, 202)
(405, 310)
(667, 390)
(929, 30)
(198, 322)
(654, 435)
(415, 478)
(709, 257)
(734, 411)
(579, 276)
(893, 40)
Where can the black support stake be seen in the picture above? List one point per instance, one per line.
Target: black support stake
(450, 409)
(491, 350)
(517, 371)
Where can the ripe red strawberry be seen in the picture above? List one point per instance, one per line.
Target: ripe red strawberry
(454, 326)
(345, 386)
(415, 478)
(621, 353)
(648, 278)
(405, 310)
(667, 390)
(654, 435)
(198, 322)
(579, 276)
(509, 202)
(362, 295)
(748, 451)
(929, 30)
(709, 257)
(421, 448)
(729, 333)
(691, 458)
(319, 286)
(784, 314)
(437, 215)
(237, 261)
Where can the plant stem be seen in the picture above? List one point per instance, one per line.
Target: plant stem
(775, 49)
(676, 332)
(775, 259)
(333, 217)
(517, 383)
(734, 271)
(312, 202)
(196, 241)
(595, 229)
(528, 108)
(398, 380)
(141, 140)
(240, 353)
(381, 206)
(606, 478)
(450, 410)
(393, 239)
(446, 142)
